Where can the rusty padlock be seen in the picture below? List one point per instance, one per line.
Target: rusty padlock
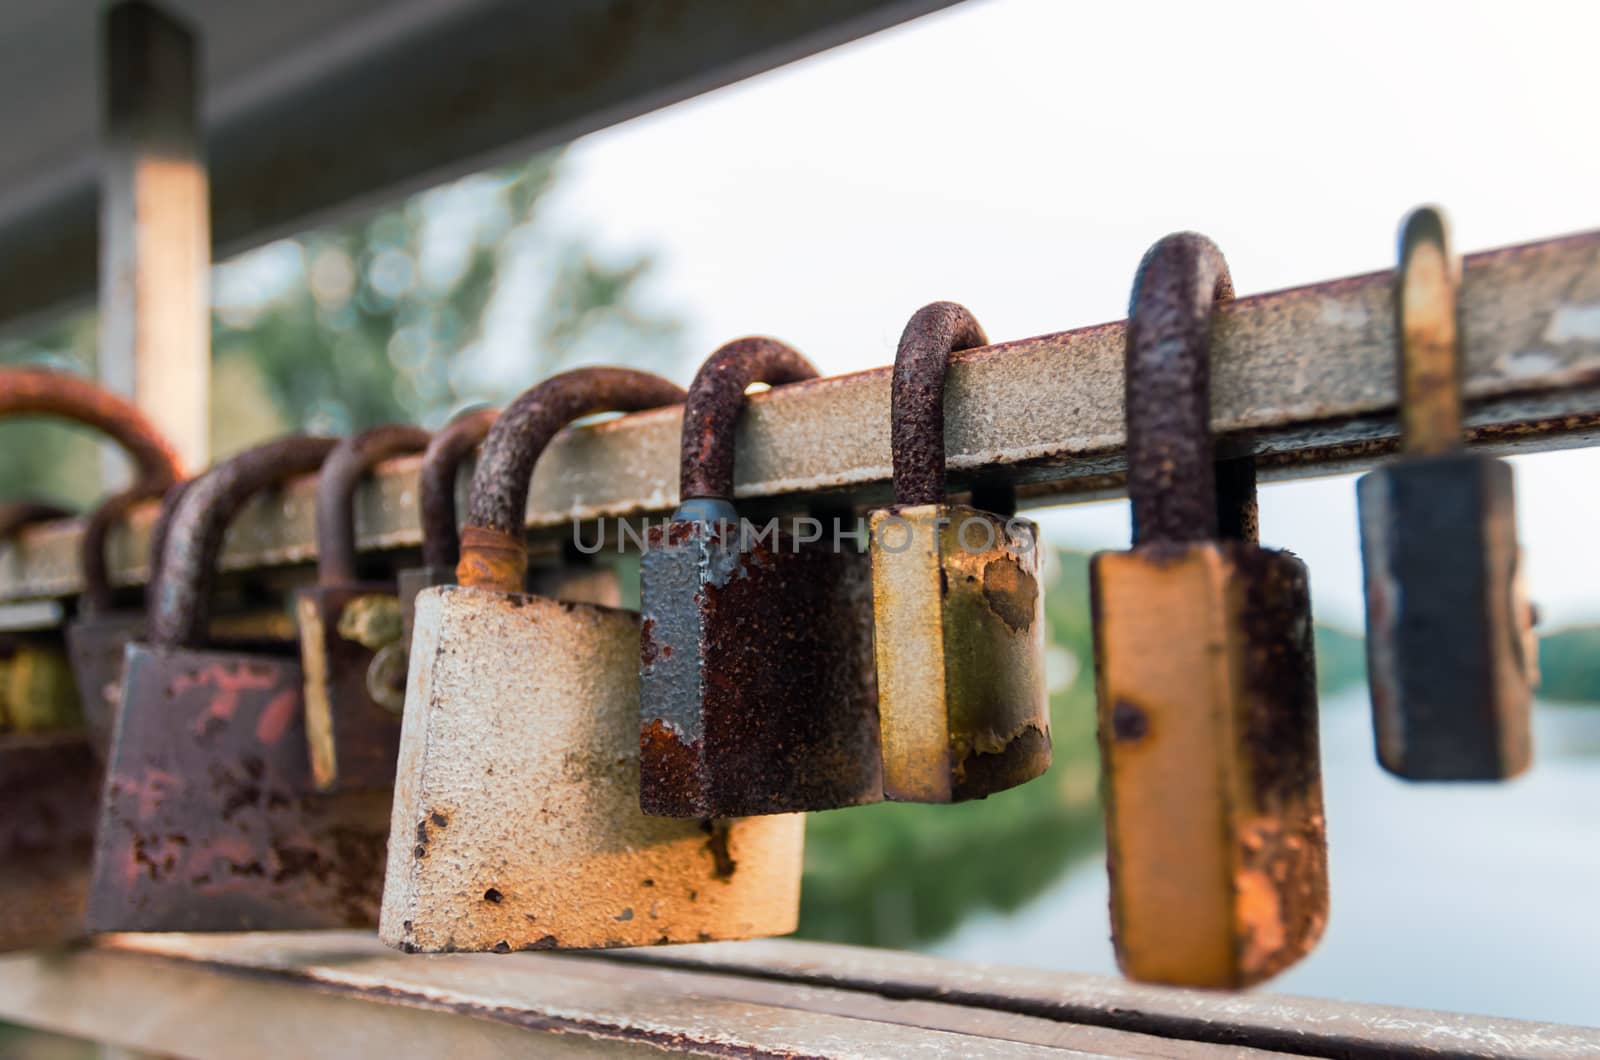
(99, 635)
(524, 709)
(757, 685)
(210, 820)
(1451, 657)
(49, 783)
(352, 721)
(1206, 685)
(958, 613)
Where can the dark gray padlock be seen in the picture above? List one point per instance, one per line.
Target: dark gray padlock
(758, 690)
(1451, 657)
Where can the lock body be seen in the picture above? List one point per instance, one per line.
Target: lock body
(209, 819)
(757, 676)
(352, 716)
(516, 822)
(1452, 662)
(1208, 740)
(959, 642)
(49, 789)
(96, 646)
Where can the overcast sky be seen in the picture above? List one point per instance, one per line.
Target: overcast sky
(1019, 155)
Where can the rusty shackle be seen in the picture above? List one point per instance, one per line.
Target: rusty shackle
(916, 397)
(494, 554)
(1426, 324)
(179, 600)
(711, 412)
(51, 393)
(441, 461)
(337, 479)
(1172, 482)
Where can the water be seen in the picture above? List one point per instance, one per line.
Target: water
(1465, 898)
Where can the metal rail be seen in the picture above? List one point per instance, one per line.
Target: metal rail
(342, 994)
(1304, 379)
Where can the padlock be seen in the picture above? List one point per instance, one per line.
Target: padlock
(1205, 678)
(1451, 658)
(516, 814)
(99, 635)
(757, 685)
(33, 391)
(352, 724)
(957, 608)
(49, 781)
(210, 820)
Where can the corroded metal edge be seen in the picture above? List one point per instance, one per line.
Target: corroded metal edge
(1303, 379)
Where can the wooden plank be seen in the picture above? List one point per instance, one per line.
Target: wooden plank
(1296, 1025)
(1304, 379)
(234, 995)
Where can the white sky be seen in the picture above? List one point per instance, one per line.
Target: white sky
(1019, 155)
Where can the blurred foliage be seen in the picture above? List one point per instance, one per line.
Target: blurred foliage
(1569, 665)
(465, 293)
(903, 875)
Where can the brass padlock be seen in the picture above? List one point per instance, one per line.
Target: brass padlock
(1451, 657)
(516, 815)
(1206, 685)
(352, 722)
(757, 685)
(210, 820)
(958, 614)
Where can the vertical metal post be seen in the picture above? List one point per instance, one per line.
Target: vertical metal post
(155, 224)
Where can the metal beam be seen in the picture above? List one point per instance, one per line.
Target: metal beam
(1303, 379)
(469, 85)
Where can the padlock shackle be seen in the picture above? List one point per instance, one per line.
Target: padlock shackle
(14, 515)
(916, 397)
(348, 462)
(96, 595)
(441, 461)
(40, 391)
(1429, 333)
(711, 411)
(180, 597)
(494, 553)
(1171, 480)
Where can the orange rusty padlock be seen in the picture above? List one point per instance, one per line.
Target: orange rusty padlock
(1205, 678)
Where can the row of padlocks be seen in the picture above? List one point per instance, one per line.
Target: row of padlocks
(486, 757)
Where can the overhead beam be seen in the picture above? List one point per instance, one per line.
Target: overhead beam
(466, 86)
(1303, 379)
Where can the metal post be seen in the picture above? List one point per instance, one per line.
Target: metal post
(155, 227)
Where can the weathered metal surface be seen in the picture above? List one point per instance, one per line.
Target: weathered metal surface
(209, 820)
(958, 619)
(1303, 380)
(1205, 680)
(1451, 658)
(40, 391)
(959, 642)
(516, 814)
(49, 785)
(353, 735)
(757, 692)
(15, 515)
(758, 688)
(1301, 1026)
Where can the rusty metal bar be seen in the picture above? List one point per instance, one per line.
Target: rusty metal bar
(155, 225)
(1303, 380)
